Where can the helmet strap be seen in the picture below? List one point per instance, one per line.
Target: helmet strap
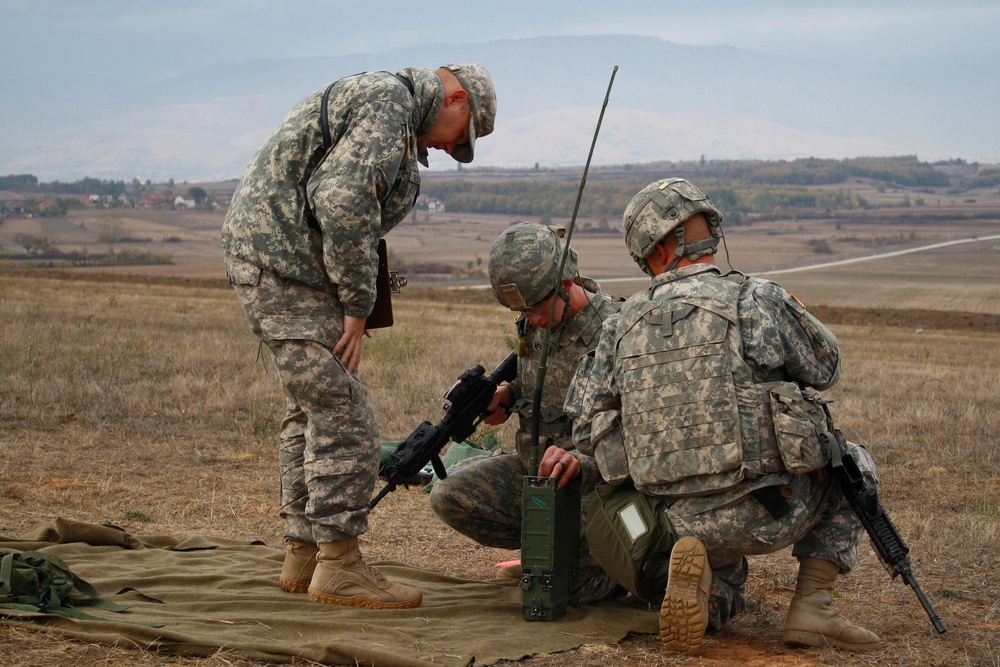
(695, 249)
(562, 293)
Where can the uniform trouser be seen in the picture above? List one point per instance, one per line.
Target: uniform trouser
(820, 524)
(329, 447)
(481, 498)
(632, 534)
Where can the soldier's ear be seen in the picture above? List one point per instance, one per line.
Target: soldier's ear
(455, 96)
(658, 259)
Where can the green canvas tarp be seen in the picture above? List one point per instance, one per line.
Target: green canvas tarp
(210, 594)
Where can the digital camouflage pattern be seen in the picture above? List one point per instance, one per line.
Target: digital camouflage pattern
(694, 416)
(476, 81)
(524, 264)
(568, 342)
(781, 341)
(329, 448)
(481, 497)
(354, 193)
(661, 208)
(301, 240)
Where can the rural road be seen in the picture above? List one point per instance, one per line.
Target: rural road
(852, 260)
(811, 267)
(883, 255)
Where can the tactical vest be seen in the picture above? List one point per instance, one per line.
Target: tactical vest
(693, 419)
(572, 340)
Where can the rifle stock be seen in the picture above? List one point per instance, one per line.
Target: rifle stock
(387, 283)
(468, 399)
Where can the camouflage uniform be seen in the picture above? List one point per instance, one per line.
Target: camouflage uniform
(301, 242)
(779, 341)
(481, 497)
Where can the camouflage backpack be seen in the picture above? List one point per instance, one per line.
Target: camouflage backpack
(34, 582)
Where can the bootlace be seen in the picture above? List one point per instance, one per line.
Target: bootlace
(370, 571)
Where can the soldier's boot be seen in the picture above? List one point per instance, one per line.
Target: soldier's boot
(684, 612)
(297, 570)
(342, 577)
(813, 620)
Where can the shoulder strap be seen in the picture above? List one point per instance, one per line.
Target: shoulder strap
(406, 82)
(324, 125)
(736, 276)
(324, 120)
(324, 109)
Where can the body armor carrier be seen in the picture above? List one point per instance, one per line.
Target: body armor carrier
(694, 420)
(570, 340)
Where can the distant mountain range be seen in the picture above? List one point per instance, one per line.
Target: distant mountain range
(669, 102)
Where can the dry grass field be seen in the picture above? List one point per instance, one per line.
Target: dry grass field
(135, 396)
(462, 241)
(141, 403)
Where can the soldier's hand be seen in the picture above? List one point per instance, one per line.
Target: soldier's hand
(502, 399)
(348, 348)
(559, 464)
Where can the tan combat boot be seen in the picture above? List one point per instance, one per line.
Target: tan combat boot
(297, 571)
(684, 612)
(342, 577)
(813, 620)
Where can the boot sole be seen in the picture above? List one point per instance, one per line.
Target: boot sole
(294, 585)
(363, 602)
(803, 639)
(682, 622)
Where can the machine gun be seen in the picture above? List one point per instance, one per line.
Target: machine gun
(468, 397)
(863, 497)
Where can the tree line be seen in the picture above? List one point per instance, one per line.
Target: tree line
(84, 186)
(739, 187)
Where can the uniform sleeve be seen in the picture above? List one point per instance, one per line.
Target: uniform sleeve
(783, 341)
(345, 192)
(590, 473)
(593, 390)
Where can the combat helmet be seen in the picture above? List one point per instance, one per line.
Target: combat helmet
(524, 264)
(662, 207)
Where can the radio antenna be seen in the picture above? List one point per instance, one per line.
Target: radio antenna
(536, 401)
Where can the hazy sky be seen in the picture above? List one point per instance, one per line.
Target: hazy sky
(111, 38)
(91, 73)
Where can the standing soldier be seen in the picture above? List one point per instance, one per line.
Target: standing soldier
(301, 239)
(481, 496)
(697, 407)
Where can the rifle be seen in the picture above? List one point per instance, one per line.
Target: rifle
(468, 397)
(863, 497)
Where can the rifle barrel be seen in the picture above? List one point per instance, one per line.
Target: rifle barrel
(936, 621)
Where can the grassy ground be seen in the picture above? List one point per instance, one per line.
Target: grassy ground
(143, 404)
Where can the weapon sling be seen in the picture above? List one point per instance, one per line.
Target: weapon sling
(387, 282)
